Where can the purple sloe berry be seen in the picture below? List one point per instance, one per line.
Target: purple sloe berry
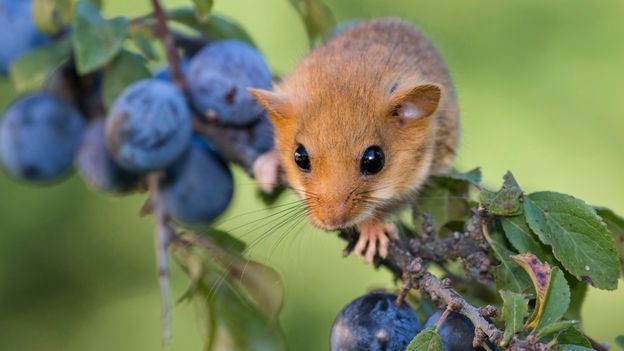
(456, 331)
(96, 164)
(219, 76)
(199, 186)
(39, 137)
(149, 126)
(374, 322)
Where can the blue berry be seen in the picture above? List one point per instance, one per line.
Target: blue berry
(18, 33)
(198, 187)
(456, 331)
(149, 126)
(218, 79)
(97, 166)
(39, 137)
(374, 322)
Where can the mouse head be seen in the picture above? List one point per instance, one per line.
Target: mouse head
(350, 157)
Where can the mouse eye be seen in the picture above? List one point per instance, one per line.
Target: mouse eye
(372, 160)
(301, 158)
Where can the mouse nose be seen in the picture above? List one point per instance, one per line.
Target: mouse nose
(336, 215)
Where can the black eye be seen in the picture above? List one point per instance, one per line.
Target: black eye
(301, 158)
(372, 160)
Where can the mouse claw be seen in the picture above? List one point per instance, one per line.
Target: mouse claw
(375, 237)
(266, 171)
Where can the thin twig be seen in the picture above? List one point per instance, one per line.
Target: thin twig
(169, 43)
(164, 235)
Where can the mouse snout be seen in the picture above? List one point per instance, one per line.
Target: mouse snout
(334, 213)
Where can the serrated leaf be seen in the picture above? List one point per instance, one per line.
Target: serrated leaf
(96, 40)
(316, 16)
(577, 235)
(473, 176)
(554, 328)
(615, 223)
(217, 26)
(426, 340)
(619, 340)
(572, 336)
(30, 70)
(125, 69)
(552, 291)
(505, 202)
(203, 9)
(515, 309)
(523, 239)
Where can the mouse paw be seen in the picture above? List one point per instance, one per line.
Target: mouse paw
(373, 233)
(266, 171)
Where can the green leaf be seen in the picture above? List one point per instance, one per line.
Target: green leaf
(572, 336)
(142, 41)
(523, 239)
(508, 275)
(96, 40)
(203, 9)
(619, 340)
(505, 202)
(125, 69)
(316, 16)
(615, 223)
(571, 348)
(50, 16)
(578, 290)
(515, 309)
(231, 320)
(554, 328)
(445, 199)
(217, 26)
(556, 301)
(473, 176)
(427, 340)
(579, 238)
(263, 284)
(226, 241)
(30, 70)
(246, 325)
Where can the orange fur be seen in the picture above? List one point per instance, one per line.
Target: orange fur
(342, 98)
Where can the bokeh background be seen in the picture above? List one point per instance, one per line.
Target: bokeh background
(541, 94)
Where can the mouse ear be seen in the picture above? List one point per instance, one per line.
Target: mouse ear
(414, 103)
(273, 102)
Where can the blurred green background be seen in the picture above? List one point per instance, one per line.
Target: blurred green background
(540, 86)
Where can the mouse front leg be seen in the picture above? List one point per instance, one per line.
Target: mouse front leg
(372, 232)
